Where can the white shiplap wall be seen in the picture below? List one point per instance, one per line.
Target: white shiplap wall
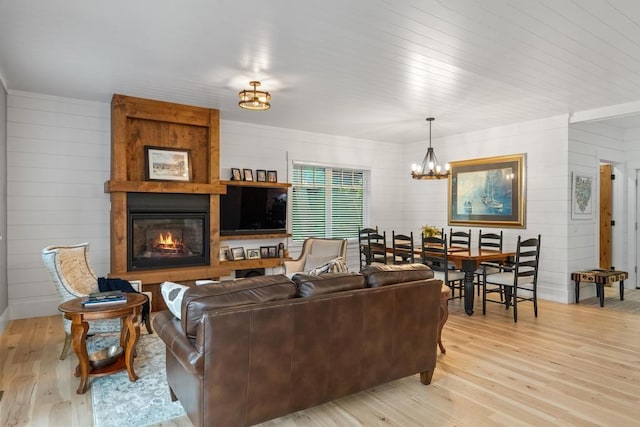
(632, 155)
(4, 291)
(545, 144)
(589, 145)
(59, 158)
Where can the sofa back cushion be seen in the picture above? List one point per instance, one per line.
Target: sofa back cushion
(383, 274)
(252, 290)
(309, 285)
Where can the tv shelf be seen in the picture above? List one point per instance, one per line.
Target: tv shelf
(256, 184)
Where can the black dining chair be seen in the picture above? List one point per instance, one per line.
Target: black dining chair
(459, 239)
(487, 241)
(402, 248)
(519, 280)
(433, 251)
(363, 244)
(377, 247)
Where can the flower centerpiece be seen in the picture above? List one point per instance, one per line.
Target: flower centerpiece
(430, 231)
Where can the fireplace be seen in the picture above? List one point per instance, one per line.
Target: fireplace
(167, 230)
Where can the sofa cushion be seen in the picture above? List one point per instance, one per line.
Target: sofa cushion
(382, 274)
(173, 294)
(252, 290)
(310, 285)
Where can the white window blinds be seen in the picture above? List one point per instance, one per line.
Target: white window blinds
(328, 202)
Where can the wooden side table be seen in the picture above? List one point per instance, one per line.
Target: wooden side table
(128, 312)
(600, 278)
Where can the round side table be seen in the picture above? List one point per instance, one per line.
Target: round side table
(128, 312)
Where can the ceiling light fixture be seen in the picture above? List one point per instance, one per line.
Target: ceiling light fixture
(430, 168)
(253, 99)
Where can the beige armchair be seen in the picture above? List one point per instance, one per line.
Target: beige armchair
(315, 252)
(73, 277)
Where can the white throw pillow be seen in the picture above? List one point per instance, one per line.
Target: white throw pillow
(314, 261)
(172, 294)
(335, 265)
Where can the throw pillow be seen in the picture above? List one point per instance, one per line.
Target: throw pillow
(314, 261)
(172, 294)
(335, 265)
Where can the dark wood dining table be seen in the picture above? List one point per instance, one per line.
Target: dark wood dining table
(468, 260)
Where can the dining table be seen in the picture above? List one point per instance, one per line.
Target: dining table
(468, 260)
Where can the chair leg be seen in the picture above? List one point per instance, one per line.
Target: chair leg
(147, 324)
(66, 347)
(515, 305)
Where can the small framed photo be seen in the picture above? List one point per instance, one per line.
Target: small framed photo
(264, 251)
(273, 252)
(272, 176)
(224, 253)
(167, 164)
(236, 175)
(248, 175)
(261, 175)
(237, 254)
(253, 253)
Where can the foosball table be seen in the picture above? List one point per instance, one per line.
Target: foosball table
(600, 278)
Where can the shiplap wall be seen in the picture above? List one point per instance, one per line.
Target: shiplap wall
(545, 144)
(59, 158)
(4, 291)
(590, 144)
(632, 156)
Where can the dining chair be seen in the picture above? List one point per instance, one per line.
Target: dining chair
(519, 280)
(459, 238)
(363, 244)
(433, 251)
(487, 241)
(402, 248)
(377, 247)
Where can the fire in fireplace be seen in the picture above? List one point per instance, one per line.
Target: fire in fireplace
(167, 230)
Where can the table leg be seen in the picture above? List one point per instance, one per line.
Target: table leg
(577, 282)
(600, 293)
(622, 290)
(79, 330)
(132, 323)
(469, 267)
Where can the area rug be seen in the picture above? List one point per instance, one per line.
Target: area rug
(118, 402)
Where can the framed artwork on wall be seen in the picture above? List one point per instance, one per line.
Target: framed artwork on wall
(488, 192)
(582, 187)
(164, 164)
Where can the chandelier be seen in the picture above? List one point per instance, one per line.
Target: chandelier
(253, 99)
(430, 167)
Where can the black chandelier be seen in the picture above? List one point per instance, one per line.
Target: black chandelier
(430, 167)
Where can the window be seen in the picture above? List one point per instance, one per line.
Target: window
(328, 202)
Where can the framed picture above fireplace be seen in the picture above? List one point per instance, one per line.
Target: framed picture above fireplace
(164, 164)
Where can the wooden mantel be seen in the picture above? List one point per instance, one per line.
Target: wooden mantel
(138, 123)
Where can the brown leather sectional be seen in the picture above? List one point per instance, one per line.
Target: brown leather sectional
(255, 349)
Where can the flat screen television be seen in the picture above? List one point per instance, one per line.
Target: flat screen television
(253, 210)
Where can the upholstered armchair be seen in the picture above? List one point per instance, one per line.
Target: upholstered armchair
(315, 252)
(73, 277)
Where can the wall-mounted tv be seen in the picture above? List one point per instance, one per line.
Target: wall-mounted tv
(253, 210)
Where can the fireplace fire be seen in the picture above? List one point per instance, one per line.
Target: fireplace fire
(166, 231)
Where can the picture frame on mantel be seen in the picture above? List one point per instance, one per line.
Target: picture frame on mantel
(167, 164)
(488, 192)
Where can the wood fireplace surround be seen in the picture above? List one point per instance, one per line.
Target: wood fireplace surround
(137, 123)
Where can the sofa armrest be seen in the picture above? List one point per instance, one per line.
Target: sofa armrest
(170, 331)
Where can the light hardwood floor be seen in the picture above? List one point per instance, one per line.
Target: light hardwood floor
(574, 365)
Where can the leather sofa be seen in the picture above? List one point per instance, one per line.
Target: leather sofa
(255, 349)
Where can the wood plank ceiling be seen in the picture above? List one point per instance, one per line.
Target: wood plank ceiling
(363, 68)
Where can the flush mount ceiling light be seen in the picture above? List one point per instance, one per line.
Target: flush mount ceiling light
(253, 99)
(430, 168)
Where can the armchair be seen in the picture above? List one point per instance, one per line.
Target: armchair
(315, 252)
(73, 277)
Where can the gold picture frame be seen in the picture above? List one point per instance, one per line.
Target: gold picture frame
(490, 191)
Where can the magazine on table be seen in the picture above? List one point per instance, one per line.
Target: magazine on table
(102, 298)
